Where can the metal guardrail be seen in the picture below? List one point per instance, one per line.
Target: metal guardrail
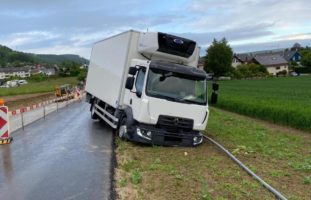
(276, 193)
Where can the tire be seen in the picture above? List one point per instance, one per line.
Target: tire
(93, 114)
(122, 130)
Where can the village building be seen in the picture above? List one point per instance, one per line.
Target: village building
(274, 63)
(243, 58)
(275, 60)
(291, 56)
(48, 71)
(7, 72)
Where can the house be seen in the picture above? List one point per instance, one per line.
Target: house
(34, 71)
(274, 63)
(7, 72)
(48, 71)
(243, 58)
(84, 66)
(291, 56)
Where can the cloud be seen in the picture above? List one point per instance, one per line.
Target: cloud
(63, 49)
(226, 14)
(235, 34)
(74, 25)
(27, 38)
(303, 36)
(269, 45)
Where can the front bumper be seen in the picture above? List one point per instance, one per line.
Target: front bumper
(151, 135)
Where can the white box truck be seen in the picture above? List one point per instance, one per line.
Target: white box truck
(147, 86)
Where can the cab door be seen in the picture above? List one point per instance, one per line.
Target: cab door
(136, 95)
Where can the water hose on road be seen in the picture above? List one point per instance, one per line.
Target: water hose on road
(276, 193)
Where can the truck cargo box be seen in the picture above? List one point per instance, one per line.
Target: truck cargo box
(109, 65)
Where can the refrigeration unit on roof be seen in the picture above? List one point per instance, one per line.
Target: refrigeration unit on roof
(157, 45)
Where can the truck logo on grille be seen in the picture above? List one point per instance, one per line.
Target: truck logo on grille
(178, 41)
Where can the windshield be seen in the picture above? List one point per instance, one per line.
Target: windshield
(176, 87)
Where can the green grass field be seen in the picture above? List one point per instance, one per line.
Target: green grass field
(279, 155)
(38, 87)
(285, 100)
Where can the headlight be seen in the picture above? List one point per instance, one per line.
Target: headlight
(146, 134)
(197, 140)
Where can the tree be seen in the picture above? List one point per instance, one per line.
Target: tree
(69, 68)
(82, 75)
(218, 58)
(306, 58)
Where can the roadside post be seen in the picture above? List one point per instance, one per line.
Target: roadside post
(22, 110)
(214, 96)
(56, 104)
(4, 124)
(44, 111)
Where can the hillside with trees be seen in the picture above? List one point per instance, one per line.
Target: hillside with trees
(11, 58)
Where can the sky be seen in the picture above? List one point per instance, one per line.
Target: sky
(72, 26)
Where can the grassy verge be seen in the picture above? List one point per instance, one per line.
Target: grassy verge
(280, 156)
(38, 87)
(283, 100)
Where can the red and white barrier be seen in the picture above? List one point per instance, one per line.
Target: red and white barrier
(4, 122)
(4, 125)
(44, 103)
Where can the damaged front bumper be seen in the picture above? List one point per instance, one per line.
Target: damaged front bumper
(148, 134)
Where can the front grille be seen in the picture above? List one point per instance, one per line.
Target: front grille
(174, 124)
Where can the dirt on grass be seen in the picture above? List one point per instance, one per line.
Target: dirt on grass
(280, 155)
(181, 173)
(19, 101)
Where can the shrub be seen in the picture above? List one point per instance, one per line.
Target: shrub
(282, 73)
(302, 70)
(249, 71)
(37, 77)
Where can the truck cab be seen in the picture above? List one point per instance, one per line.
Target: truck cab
(148, 88)
(168, 103)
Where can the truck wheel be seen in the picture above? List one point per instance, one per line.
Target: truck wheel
(93, 114)
(122, 130)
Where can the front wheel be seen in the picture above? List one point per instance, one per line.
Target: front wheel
(122, 130)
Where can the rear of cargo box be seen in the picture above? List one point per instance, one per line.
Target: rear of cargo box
(109, 66)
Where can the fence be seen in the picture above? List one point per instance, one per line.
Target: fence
(19, 118)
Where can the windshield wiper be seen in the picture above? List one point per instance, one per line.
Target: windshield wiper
(184, 100)
(175, 99)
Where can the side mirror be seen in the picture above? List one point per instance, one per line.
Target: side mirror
(215, 86)
(132, 70)
(129, 83)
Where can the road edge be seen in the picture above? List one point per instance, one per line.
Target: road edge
(113, 166)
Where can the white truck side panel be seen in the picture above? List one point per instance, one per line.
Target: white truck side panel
(108, 64)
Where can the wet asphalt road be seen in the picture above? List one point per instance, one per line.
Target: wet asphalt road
(67, 156)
